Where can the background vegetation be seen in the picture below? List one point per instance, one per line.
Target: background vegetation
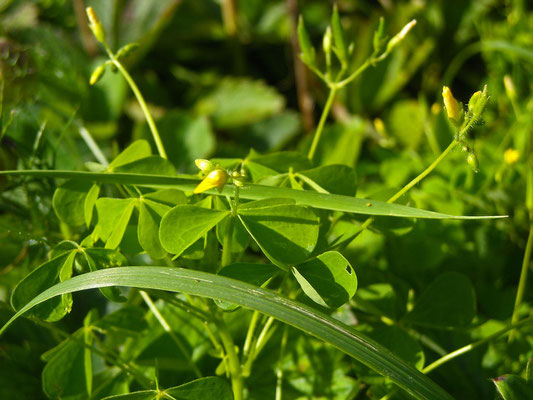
(222, 82)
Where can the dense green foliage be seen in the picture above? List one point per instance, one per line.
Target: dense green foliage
(272, 199)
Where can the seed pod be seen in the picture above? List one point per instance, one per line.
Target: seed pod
(338, 36)
(308, 51)
(215, 179)
(471, 160)
(126, 50)
(380, 37)
(95, 25)
(400, 35)
(477, 103)
(97, 74)
(326, 41)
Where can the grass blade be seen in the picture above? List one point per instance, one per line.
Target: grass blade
(324, 201)
(293, 313)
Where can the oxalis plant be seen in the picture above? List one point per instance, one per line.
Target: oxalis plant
(275, 218)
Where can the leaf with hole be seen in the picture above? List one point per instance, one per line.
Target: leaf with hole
(327, 279)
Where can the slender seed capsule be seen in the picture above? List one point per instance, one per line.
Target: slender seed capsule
(97, 74)
(471, 160)
(95, 25)
(400, 35)
(215, 179)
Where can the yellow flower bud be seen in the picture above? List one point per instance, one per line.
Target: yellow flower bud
(509, 87)
(96, 26)
(205, 166)
(216, 178)
(511, 156)
(453, 109)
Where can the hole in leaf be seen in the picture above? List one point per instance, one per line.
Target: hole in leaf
(348, 269)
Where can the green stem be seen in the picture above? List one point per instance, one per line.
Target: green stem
(523, 278)
(279, 368)
(424, 173)
(234, 364)
(140, 99)
(322, 122)
(161, 319)
(370, 61)
(471, 346)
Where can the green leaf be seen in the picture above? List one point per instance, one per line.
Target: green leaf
(90, 201)
(237, 101)
(40, 279)
(149, 165)
(168, 197)
(211, 387)
(113, 217)
(449, 301)
(254, 274)
(135, 151)
(513, 387)
(64, 373)
(69, 202)
(261, 166)
(338, 179)
(249, 191)
(98, 258)
(328, 279)
(184, 224)
(400, 343)
(379, 299)
(240, 238)
(289, 311)
(406, 123)
(148, 230)
(140, 395)
(286, 233)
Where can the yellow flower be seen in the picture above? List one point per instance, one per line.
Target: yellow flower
(452, 106)
(511, 156)
(216, 178)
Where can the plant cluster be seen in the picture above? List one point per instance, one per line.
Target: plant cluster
(306, 270)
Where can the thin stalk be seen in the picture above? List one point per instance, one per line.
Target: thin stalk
(92, 145)
(523, 278)
(424, 173)
(250, 334)
(356, 73)
(471, 346)
(140, 99)
(163, 322)
(322, 122)
(279, 368)
(106, 354)
(234, 364)
(228, 239)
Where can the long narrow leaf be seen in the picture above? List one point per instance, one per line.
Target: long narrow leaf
(293, 313)
(324, 201)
